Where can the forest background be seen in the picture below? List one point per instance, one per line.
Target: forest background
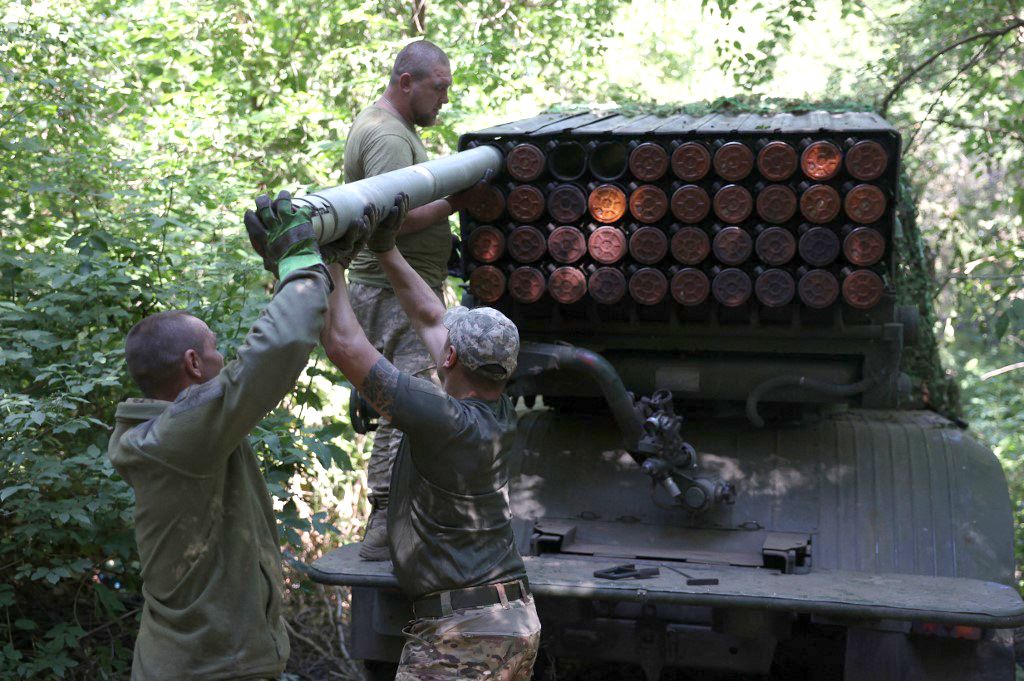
(133, 133)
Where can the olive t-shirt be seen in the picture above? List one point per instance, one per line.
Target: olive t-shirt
(380, 142)
(449, 523)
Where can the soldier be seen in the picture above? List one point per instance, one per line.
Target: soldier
(204, 523)
(383, 138)
(450, 526)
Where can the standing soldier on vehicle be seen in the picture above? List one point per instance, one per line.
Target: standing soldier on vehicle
(383, 138)
(204, 523)
(450, 526)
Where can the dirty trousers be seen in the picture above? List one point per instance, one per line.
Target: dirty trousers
(493, 642)
(390, 331)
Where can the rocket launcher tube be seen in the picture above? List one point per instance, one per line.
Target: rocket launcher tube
(335, 208)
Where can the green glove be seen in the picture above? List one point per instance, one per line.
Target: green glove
(383, 237)
(283, 235)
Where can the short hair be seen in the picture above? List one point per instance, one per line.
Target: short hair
(417, 59)
(154, 347)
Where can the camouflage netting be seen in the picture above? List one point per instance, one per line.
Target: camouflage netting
(913, 276)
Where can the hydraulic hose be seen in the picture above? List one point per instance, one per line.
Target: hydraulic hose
(335, 208)
(830, 389)
(545, 356)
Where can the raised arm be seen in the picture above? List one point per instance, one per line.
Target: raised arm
(419, 302)
(349, 349)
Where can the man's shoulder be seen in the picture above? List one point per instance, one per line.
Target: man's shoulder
(374, 122)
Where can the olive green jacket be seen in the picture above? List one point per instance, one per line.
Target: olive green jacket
(204, 523)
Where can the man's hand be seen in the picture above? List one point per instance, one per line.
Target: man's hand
(282, 235)
(348, 246)
(467, 197)
(383, 238)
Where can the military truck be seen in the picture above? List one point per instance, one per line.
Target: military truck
(718, 474)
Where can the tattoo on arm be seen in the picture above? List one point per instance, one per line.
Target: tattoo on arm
(380, 385)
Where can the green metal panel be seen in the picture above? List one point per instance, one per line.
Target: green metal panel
(878, 492)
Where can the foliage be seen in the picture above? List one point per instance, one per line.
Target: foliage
(133, 134)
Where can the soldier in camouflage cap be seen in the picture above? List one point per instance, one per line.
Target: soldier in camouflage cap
(486, 341)
(449, 524)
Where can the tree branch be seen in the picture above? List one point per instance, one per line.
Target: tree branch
(971, 63)
(1002, 370)
(991, 33)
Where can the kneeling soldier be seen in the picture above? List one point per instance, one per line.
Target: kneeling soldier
(449, 524)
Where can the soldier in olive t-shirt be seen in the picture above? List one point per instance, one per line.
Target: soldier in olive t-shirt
(380, 141)
(383, 138)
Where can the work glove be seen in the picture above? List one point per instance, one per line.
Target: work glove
(467, 197)
(283, 235)
(343, 250)
(383, 237)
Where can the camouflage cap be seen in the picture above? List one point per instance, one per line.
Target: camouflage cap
(485, 340)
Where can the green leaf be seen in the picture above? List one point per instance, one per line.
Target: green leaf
(1002, 324)
(108, 600)
(6, 492)
(333, 430)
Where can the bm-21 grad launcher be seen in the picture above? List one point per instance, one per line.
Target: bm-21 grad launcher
(710, 382)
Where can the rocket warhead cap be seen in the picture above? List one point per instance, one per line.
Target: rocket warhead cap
(485, 340)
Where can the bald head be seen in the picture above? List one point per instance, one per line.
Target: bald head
(418, 59)
(161, 349)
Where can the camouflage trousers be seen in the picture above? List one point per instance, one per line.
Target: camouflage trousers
(494, 642)
(390, 331)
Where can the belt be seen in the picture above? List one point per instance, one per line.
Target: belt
(446, 602)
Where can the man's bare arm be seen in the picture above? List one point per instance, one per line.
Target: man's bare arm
(420, 218)
(348, 349)
(419, 302)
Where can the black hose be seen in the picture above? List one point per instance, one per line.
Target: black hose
(830, 389)
(603, 373)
